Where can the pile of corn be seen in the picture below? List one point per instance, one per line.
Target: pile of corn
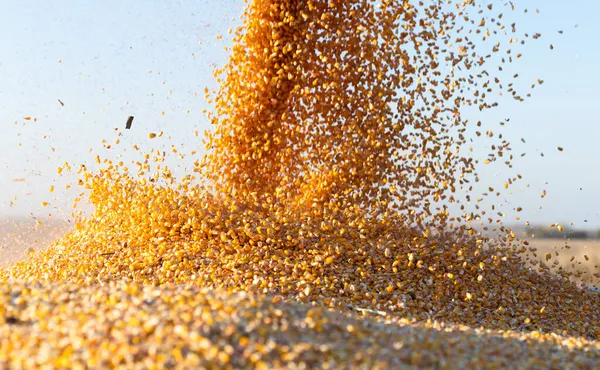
(316, 231)
(135, 326)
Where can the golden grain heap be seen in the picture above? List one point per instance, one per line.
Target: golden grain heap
(316, 232)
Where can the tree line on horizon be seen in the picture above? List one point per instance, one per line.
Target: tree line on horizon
(546, 232)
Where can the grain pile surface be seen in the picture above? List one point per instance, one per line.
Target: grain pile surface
(316, 232)
(131, 325)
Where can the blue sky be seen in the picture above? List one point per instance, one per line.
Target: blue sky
(111, 59)
(562, 112)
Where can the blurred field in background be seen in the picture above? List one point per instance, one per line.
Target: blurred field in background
(571, 255)
(19, 235)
